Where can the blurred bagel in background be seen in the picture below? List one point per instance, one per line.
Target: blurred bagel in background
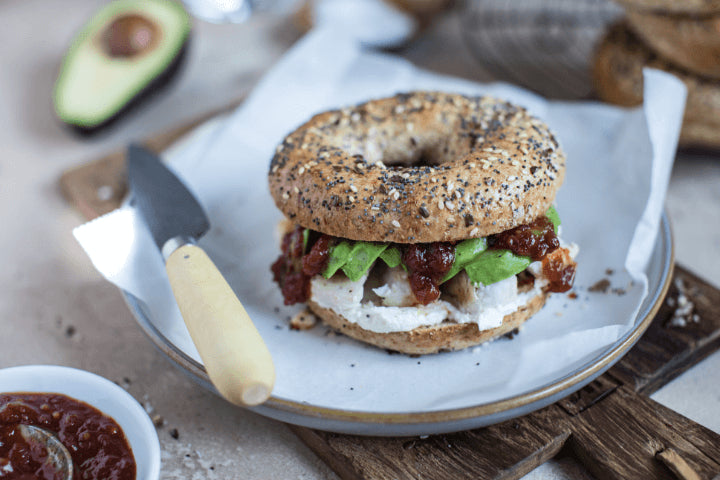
(692, 7)
(691, 42)
(618, 79)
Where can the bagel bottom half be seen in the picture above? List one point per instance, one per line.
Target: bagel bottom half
(446, 336)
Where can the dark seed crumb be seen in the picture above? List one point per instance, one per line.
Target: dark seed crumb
(619, 291)
(70, 331)
(174, 433)
(512, 333)
(601, 286)
(127, 380)
(572, 296)
(609, 271)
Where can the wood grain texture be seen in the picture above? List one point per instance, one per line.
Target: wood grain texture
(99, 187)
(620, 440)
(610, 425)
(666, 351)
(505, 451)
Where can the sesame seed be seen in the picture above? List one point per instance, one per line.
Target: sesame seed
(301, 170)
(512, 178)
(353, 188)
(351, 199)
(441, 204)
(474, 232)
(285, 196)
(296, 189)
(449, 205)
(396, 195)
(395, 224)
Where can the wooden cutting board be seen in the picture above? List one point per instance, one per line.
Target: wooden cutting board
(610, 426)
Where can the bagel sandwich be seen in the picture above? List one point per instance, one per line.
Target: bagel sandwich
(422, 222)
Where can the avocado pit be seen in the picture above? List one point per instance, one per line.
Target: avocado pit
(129, 35)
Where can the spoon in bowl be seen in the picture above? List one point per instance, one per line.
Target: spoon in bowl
(58, 456)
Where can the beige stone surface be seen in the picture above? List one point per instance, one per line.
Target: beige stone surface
(55, 308)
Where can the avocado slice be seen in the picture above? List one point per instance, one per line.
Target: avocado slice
(128, 50)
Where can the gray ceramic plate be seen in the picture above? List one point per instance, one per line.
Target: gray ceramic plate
(343, 365)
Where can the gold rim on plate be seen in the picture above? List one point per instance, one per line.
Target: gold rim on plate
(532, 400)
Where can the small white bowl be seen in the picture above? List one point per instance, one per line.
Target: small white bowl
(101, 394)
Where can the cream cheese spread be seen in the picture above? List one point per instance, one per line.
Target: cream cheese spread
(390, 307)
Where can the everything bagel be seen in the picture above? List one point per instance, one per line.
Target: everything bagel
(421, 222)
(418, 167)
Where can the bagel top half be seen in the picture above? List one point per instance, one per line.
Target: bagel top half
(418, 167)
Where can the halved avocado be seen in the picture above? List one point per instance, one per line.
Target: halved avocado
(128, 49)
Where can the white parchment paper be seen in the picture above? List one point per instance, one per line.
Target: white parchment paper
(618, 167)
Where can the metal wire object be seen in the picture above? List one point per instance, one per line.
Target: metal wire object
(543, 45)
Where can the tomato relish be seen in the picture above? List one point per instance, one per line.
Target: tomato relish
(426, 263)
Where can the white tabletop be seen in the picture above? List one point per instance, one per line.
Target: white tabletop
(56, 309)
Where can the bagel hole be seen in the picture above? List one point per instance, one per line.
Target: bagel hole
(431, 156)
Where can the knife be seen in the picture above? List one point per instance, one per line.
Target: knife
(235, 356)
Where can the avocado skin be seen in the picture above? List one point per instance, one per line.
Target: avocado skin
(154, 88)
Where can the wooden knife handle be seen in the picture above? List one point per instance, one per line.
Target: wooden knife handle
(236, 358)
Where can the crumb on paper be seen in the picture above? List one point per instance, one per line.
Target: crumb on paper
(609, 271)
(601, 286)
(303, 320)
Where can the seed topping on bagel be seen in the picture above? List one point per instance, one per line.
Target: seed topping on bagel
(418, 167)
